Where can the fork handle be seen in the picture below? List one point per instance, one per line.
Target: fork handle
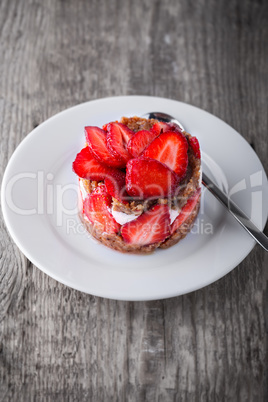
(239, 215)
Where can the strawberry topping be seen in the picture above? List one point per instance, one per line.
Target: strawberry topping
(152, 226)
(87, 167)
(186, 211)
(96, 208)
(118, 136)
(105, 126)
(161, 127)
(194, 144)
(148, 164)
(96, 140)
(139, 141)
(148, 178)
(116, 185)
(170, 148)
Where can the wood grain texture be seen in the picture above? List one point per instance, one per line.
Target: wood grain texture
(57, 344)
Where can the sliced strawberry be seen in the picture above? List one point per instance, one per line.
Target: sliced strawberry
(116, 185)
(170, 148)
(87, 167)
(118, 136)
(194, 144)
(186, 211)
(96, 140)
(139, 141)
(96, 208)
(152, 226)
(148, 178)
(142, 139)
(161, 127)
(105, 126)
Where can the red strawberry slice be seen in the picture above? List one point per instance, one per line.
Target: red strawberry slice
(105, 126)
(139, 141)
(152, 226)
(118, 136)
(116, 185)
(87, 167)
(186, 211)
(96, 208)
(170, 148)
(194, 144)
(161, 127)
(96, 140)
(148, 178)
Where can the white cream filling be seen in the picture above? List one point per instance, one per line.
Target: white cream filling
(123, 218)
(200, 177)
(83, 190)
(173, 213)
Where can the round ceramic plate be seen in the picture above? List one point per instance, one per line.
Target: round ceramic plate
(39, 202)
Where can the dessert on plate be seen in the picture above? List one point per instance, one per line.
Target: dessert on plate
(140, 183)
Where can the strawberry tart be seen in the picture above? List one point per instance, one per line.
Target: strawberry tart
(140, 184)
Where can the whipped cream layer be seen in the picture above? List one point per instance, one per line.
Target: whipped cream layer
(121, 217)
(82, 189)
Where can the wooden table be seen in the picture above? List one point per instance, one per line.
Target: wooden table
(57, 344)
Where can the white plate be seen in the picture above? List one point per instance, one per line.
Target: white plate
(39, 200)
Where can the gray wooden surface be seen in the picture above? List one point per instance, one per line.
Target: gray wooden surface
(57, 344)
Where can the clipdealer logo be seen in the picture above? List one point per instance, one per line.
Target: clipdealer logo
(51, 198)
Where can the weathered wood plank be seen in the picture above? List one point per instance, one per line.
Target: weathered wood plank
(59, 344)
